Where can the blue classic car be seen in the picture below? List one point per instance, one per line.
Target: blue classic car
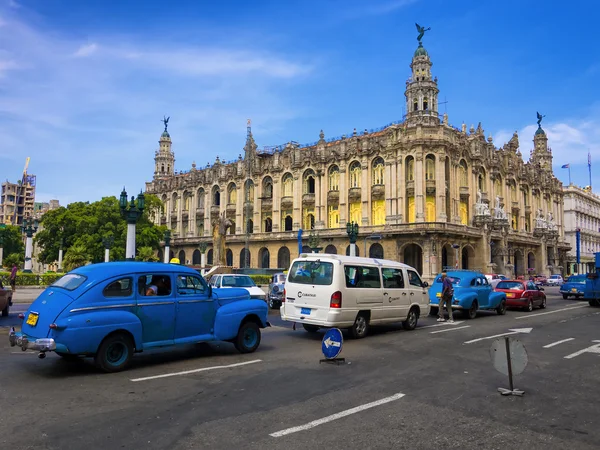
(574, 286)
(472, 292)
(111, 310)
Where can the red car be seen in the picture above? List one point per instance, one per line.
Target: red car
(522, 294)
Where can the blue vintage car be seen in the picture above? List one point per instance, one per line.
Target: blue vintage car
(573, 287)
(472, 292)
(111, 310)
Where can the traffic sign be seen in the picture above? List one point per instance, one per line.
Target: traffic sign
(509, 357)
(332, 343)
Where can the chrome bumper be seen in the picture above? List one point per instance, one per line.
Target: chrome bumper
(42, 345)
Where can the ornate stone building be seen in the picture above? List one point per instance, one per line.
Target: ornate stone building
(582, 211)
(438, 196)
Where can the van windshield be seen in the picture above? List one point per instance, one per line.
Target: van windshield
(311, 272)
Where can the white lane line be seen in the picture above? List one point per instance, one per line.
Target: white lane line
(441, 325)
(449, 329)
(512, 331)
(204, 369)
(24, 353)
(591, 349)
(558, 342)
(336, 416)
(552, 312)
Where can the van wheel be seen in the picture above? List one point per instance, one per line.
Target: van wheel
(361, 326)
(5, 311)
(248, 338)
(411, 320)
(433, 311)
(472, 311)
(310, 328)
(114, 353)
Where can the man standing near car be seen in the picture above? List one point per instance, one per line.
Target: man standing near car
(13, 278)
(447, 293)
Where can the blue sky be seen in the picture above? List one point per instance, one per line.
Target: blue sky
(85, 84)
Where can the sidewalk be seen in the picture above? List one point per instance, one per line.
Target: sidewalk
(27, 294)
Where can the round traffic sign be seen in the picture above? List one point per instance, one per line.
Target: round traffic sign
(518, 356)
(331, 346)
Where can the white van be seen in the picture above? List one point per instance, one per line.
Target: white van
(324, 290)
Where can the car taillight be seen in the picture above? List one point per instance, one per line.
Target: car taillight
(21, 316)
(283, 298)
(53, 326)
(336, 300)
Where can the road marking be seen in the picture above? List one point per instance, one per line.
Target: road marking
(450, 329)
(591, 349)
(513, 331)
(552, 312)
(441, 325)
(336, 416)
(24, 353)
(558, 342)
(204, 369)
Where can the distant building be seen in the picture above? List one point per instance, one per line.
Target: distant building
(40, 208)
(17, 201)
(582, 211)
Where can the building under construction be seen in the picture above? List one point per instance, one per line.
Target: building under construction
(17, 199)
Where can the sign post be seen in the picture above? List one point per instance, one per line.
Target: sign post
(331, 346)
(509, 358)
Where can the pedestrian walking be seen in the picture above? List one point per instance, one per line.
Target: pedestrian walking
(447, 293)
(13, 278)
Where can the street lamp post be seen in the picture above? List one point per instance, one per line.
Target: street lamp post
(2, 228)
(60, 248)
(132, 213)
(29, 227)
(167, 246)
(107, 241)
(455, 247)
(352, 231)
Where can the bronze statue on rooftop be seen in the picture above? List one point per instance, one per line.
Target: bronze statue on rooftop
(421, 31)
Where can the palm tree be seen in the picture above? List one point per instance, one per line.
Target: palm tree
(146, 254)
(76, 257)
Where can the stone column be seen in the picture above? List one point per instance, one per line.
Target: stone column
(419, 187)
(130, 248)
(207, 201)
(298, 207)
(239, 210)
(440, 188)
(343, 202)
(390, 186)
(401, 190)
(28, 253)
(257, 212)
(180, 216)
(276, 205)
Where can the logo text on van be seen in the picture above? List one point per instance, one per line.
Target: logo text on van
(300, 294)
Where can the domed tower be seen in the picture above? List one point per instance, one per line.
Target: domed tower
(164, 158)
(421, 90)
(541, 153)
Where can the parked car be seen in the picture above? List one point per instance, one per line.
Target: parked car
(574, 286)
(238, 281)
(555, 280)
(540, 280)
(111, 310)
(323, 291)
(495, 278)
(472, 292)
(5, 299)
(522, 294)
(276, 290)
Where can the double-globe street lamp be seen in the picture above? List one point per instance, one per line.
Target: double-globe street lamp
(132, 213)
(107, 241)
(167, 246)
(352, 231)
(29, 228)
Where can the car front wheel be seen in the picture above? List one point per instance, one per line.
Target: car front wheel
(248, 338)
(411, 320)
(543, 305)
(501, 309)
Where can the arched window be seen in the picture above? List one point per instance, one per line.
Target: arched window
(430, 168)
(245, 259)
(463, 177)
(267, 188)
(416, 105)
(264, 257)
(481, 182)
(288, 222)
(378, 171)
(174, 202)
(181, 257)
(216, 196)
(425, 104)
(232, 194)
(376, 251)
(232, 228)
(165, 201)
(187, 198)
(309, 182)
(513, 191)
(498, 187)
(334, 178)
(228, 257)
(330, 250)
(209, 257)
(309, 221)
(288, 185)
(283, 258)
(249, 191)
(333, 216)
(250, 226)
(355, 174)
(410, 168)
(268, 225)
(196, 257)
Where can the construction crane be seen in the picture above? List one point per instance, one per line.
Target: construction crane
(25, 181)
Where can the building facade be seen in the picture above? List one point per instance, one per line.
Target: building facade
(434, 195)
(582, 212)
(17, 201)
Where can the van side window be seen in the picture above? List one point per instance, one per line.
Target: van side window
(119, 288)
(151, 285)
(392, 278)
(414, 279)
(190, 285)
(362, 277)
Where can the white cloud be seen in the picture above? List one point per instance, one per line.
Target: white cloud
(86, 50)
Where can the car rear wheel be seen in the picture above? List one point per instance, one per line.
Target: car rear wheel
(248, 338)
(411, 320)
(565, 296)
(361, 326)
(472, 311)
(115, 353)
(310, 328)
(543, 305)
(501, 309)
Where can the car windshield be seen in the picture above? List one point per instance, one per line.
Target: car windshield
(70, 281)
(510, 285)
(576, 279)
(311, 272)
(453, 280)
(244, 281)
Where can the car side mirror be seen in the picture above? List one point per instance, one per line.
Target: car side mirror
(425, 284)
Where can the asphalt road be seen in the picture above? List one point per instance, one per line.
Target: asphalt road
(420, 389)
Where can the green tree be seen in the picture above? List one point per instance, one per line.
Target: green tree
(14, 258)
(11, 241)
(146, 254)
(76, 256)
